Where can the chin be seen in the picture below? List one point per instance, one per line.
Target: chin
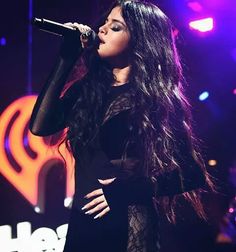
(103, 55)
(100, 53)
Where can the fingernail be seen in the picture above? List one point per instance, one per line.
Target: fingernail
(87, 212)
(96, 216)
(83, 208)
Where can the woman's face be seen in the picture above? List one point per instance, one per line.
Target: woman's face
(114, 39)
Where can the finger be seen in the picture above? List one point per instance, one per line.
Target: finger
(94, 202)
(98, 208)
(105, 211)
(82, 28)
(106, 181)
(94, 193)
(68, 24)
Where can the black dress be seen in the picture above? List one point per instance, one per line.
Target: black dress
(100, 159)
(131, 224)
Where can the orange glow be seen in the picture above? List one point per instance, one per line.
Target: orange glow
(212, 162)
(29, 181)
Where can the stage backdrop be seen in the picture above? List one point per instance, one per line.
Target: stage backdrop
(36, 187)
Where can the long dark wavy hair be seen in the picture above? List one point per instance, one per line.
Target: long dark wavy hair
(161, 111)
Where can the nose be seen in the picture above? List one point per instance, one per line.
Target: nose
(103, 29)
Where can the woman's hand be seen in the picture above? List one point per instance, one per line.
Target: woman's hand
(99, 204)
(84, 29)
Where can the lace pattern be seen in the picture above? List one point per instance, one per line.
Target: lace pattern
(143, 235)
(122, 102)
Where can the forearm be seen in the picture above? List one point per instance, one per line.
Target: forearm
(129, 191)
(141, 190)
(47, 116)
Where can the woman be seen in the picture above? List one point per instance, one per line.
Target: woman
(128, 130)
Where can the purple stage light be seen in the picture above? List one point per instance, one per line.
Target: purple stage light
(175, 33)
(231, 210)
(216, 4)
(195, 6)
(7, 144)
(202, 25)
(233, 53)
(3, 41)
(234, 91)
(25, 141)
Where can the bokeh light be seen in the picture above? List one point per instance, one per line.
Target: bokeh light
(202, 25)
(3, 41)
(195, 6)
(212, 162)
(203, 96)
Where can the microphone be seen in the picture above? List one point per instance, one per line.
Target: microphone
(63, 30)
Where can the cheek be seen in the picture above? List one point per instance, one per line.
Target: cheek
(114, 47)
(120, 43)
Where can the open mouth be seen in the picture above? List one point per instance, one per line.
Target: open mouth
(101, 41)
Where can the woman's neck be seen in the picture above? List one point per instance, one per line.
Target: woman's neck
(121, 75)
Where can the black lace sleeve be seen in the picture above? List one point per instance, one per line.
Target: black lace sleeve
(141, 190)
(50, 111)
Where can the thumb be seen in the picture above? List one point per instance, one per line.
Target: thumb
(84, 40)
(106, 181)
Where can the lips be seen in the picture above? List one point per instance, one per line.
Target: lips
(101, 40)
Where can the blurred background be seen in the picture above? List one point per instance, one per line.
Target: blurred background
(35, 188)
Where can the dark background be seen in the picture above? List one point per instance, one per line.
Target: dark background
(209, 62)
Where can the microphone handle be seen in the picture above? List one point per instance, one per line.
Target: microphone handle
(54, 27)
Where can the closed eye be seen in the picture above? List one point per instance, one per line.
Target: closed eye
(116, 28)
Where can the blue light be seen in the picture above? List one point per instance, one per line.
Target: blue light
(7, 144)
(234, 54)
(25, 141)
(3, 41)
(203, 96)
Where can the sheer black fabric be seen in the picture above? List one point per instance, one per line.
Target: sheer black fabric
(132, 224)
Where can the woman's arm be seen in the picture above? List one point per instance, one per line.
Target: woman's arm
(141, 190)
(49, 112)
(117, 193)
